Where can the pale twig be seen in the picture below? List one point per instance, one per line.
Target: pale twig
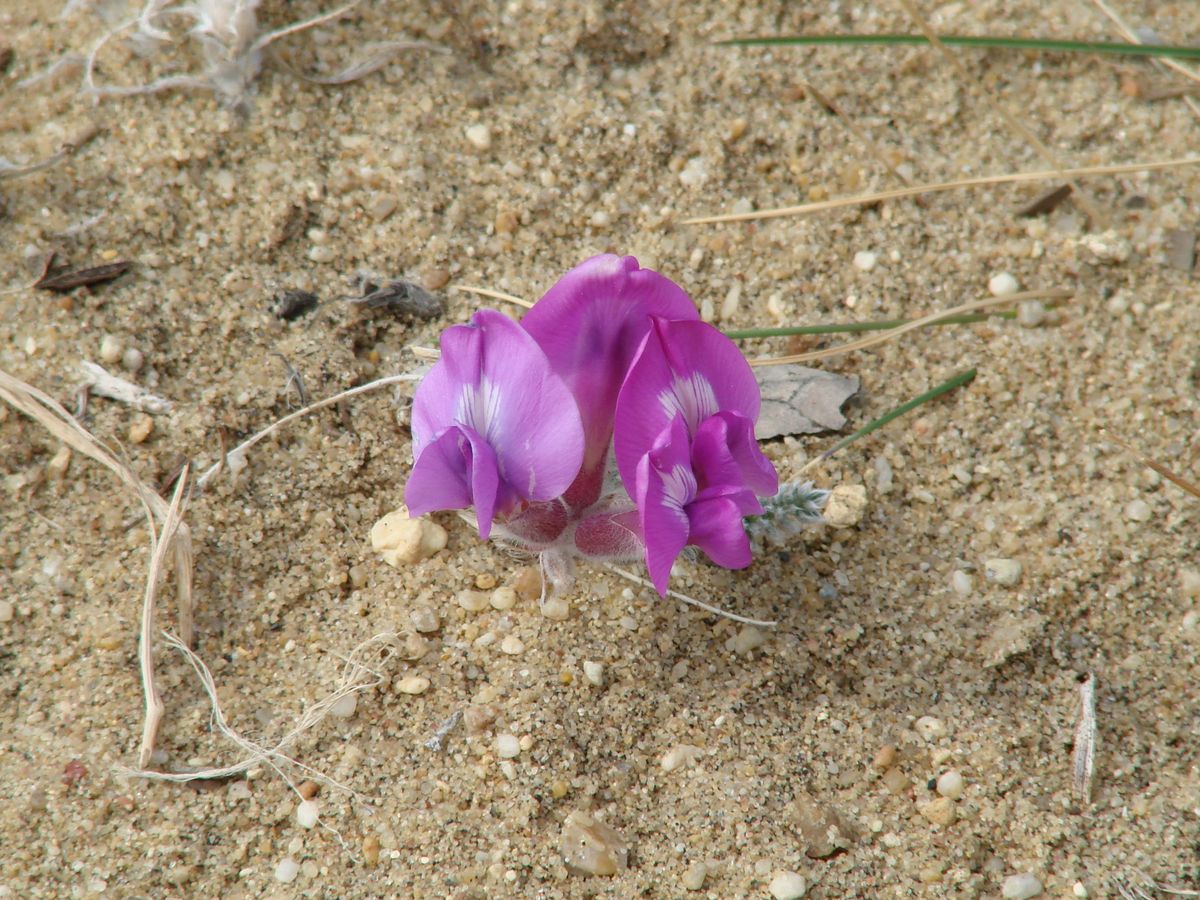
(1178, 480)
(982, 181)
(692, 601)
(882, 336)
(160, 544)
(1130, 35)
(239, 451)
(1010, 118)
(352, 681)
(495, 295)
(1084, 758)
(105, 384)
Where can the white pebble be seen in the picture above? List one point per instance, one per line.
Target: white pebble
(930, 728)
(556, 608)
(1138, 511)
(1021, 887)
(473, 601)
(1079, 889)
(413, 684)
(1004, 572)
(344, 707)
(425, 619)
(746, 640)
(694, 173)
(733, 299)
(479, 135)
(788, 886)
(865, 260)
(111, 348)
(401, 539)
(307, 813)
(1002, 284)
(321, 254)
(593, 672)
(1031, 313)
(960, 582)
(504, 598)
(846, 505)
(512, 645)
(950, 784)
(693, 878)
(132, 360)
(286, 870)
(507, 746)
(6, 611)
(679, 756)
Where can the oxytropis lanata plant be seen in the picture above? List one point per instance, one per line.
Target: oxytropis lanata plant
(609, 424)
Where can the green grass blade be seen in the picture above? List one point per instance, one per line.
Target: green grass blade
(950, 384)
(858, 327)
(1115, 48)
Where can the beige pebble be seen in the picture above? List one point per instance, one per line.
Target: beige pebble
(930, 728)
(370, 849)
(401, 539)
(788, 886)
(950, 784)
(885, 758)
(589, 847)
(503, 598)
(435, 279)
(896, 782)
(528, 583)
(846, 505)
(473, 601)
(479, 136)
(412, 684)
(56, 468)
(747, 639)
(1004, 572)
(424, 619)
(941, 811)
(593, 672)
(382, 207)
(512, 645)
(479, 717)
(693, 878)
(485, 581)
(556, 608)
(140, 429)
(111, 348)
(680, 756)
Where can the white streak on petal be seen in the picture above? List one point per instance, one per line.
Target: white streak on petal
(693, 397)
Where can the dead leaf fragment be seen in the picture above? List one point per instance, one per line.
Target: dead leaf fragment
(800, 400)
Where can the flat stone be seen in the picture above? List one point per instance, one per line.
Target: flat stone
(1021, 887)
(589, 847)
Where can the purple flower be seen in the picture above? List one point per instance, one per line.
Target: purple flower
(493, 426)
(685, 448)
(590, 325)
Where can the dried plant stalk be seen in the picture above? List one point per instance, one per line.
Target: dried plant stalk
(1085, 740)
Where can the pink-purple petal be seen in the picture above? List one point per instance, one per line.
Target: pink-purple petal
(716, 528)
(456, 470)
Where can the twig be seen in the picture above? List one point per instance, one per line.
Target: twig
(101, 382)
(495, 295)
(692, 601)
(982, 181)
(1084, 758)
(240, 450)
(293, 378)
(863, 343)
(854, 128)
(1178, 480)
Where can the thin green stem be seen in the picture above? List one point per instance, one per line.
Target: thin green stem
(857, 327)
(1115, 48)
(950, 384)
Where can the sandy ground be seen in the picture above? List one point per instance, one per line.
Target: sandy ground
(605, 125)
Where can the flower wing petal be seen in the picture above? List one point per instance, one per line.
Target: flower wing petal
(454, 471)
(716, 528)
(663, 487)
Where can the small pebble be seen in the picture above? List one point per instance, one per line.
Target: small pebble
(747, 639)
(286, 870)
(371, 848)
(960, 583)
(7, 611)
(512, 645)
(140, 429)
(589, 847)
(865, 260)
(1138, 511)
(344, 707)
(693, 878)
(1002, 284)
(320, 253)
(412, 684)
(307, 813)
(679, 756)
(846, 505)
(930, 728)
(593, 672)
(424, 619)
(485, 581)
(1031, 313)
(507, 746)
(528, 583)
(111, 348)
(950, 784)
(132, 360)
(694, 173)
(473, 601)
(402, 540)
(503, 598)
(479, 135)
(1004, 572)
(1079, 889)
(435, 279)
(556, 608)
(308, 789)
(56, 469)
(940, 811)
(1021, 887)
(896, 782)
(382, 207)
(885, 758)
(788, 886)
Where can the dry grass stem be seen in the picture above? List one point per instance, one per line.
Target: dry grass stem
(1013, 122)
(692, 601)
(495, 295)
(236, 456)
(160, 544)
(982, 181)
(362, 672)
(1178, 480)
(103, 383)
(882, 336)
(1084, 758)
